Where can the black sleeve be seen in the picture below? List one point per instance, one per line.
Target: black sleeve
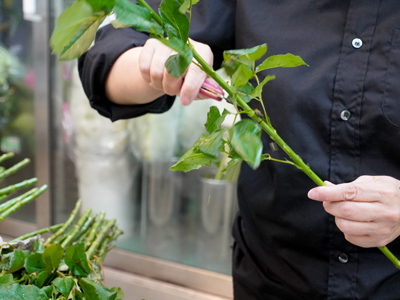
(212, 23)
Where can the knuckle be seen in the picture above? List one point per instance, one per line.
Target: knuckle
(351, 191)
(347, 209)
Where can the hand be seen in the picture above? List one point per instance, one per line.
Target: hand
(366, 210)
(152, 60)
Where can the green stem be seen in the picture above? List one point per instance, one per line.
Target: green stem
(99, 240)
(66, 224)
(6, 156)
(37, 232)
(75, 230)
(390, 256)
(12, 188)
(153, 13)
(14, 168)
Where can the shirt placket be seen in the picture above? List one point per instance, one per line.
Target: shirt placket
(345, 132)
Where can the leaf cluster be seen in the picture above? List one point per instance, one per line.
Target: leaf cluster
(67, 265)
(52, 272)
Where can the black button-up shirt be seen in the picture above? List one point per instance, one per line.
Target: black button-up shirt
(341, 115)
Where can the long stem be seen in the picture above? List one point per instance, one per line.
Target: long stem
(274, 136)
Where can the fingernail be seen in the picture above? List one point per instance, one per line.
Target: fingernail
(312, 194)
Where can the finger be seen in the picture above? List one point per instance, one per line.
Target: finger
(170, 84)
(145, 59)
(157, 69)
(357, 228)
(354, 210)
(194, 76)
(347, 191)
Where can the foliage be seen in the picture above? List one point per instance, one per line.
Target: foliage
(67, 265)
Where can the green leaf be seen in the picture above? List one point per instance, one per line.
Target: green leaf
(211, 145)
(76, 260)
(101, 5)
(241, 76)
(251, 53)
(245, 92)
(177, 64)
(215, 119)
(81, 42)
(42, 279)
(52, 257)
(64, 285)
(75, 30)
(281, 60)
(186, 5)
(95, 291)
(192, 159)
(176, 23)
(258, 90)
(246, 141)
(17, 260)
(34, 263)
(48, 289)
(120, 293)
(6, 278)
(130, 14)
(21, 292)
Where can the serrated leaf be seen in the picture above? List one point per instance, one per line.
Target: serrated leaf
(75, 30)
(64, 285)
(258, 90)
(281, 61)
(130, 14)
(34, 263)
(176, 23)
(76, 260)
(21, 292)
(191, 162)
(247, 143)
(211, 145)
(241, 76)
(253, 53)
(52, 257)
(95, 291)
(82, 40)
(215, 119)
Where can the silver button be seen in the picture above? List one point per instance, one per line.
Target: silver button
(357, 43)
(343, 258)
(345, 115)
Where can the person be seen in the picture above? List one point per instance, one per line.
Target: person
(341, 115)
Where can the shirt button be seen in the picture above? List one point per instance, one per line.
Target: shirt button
(357, 43)
(343, 258)
(345, 115)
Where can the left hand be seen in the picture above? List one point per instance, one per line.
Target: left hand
(366, 210)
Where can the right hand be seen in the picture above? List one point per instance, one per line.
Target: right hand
(152, 60)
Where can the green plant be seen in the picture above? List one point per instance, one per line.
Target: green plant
(67, 265)
(74, 34)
